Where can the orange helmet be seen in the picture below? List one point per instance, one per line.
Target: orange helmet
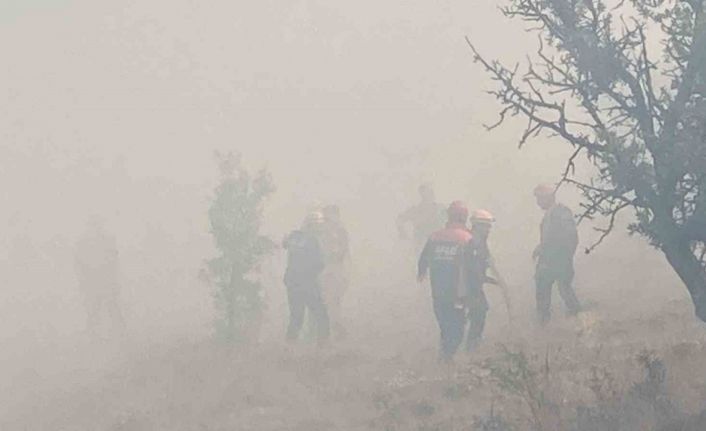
(458, 212)
(482, 216)
(544, 190)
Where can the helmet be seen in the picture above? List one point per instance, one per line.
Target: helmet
(544, 190)
(482, 216)
(458, 212)
(314, 218)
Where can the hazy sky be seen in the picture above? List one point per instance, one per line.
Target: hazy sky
(321, 92)
(116, 107)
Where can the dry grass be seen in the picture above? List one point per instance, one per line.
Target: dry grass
(570, 385)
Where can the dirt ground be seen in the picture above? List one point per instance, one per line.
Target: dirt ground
(383, 376)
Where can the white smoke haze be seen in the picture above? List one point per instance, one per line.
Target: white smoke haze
(116, 108)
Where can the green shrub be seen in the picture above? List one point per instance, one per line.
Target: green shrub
(235, 217)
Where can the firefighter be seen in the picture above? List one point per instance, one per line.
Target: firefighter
(477, 262)
(305, 261)
(97, 268)
(334, 278)
(442, 259)
(425, 217)
(554, 255)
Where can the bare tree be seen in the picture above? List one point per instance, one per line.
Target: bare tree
(626, 88)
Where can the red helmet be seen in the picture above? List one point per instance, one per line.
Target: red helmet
(458, 212)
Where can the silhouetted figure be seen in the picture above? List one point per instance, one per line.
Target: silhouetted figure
(305, 261)
(425, 217)
(555, 254)
(442, 258)
(477, 261)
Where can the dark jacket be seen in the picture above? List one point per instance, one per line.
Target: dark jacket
(305, 259)
(334, 242)
(476, 263)
(443, 257)
(558, 235)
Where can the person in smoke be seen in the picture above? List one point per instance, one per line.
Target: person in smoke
(97, 270)
(334, 279)
(442, 258)
(555, 254)
(305, 262)
(477, 261)
(425, 217)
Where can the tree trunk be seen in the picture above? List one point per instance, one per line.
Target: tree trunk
(230, 304)
(689, 270)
